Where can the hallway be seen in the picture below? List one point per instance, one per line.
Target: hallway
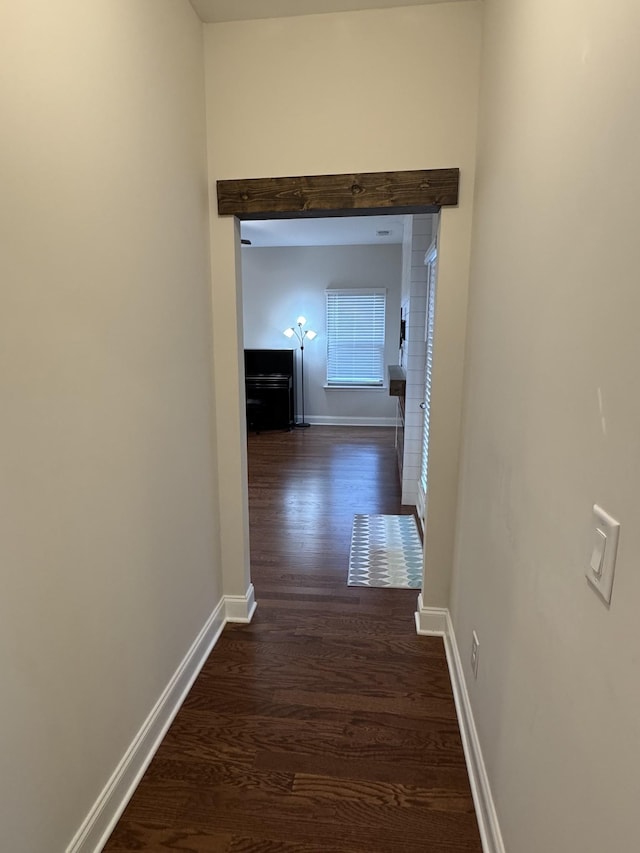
(327, 724)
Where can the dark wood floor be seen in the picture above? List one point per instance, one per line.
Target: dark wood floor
(327, 725)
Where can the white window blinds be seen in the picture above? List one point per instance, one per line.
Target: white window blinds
(355, 336)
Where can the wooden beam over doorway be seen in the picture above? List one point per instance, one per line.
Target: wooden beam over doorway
(418, 191)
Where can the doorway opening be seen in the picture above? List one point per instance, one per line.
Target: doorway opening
(417, 192)
(288, 268)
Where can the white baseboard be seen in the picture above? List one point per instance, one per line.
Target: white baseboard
(101, 820)
(436, 621)
(334, 420)
(431, 620)
(240, 608)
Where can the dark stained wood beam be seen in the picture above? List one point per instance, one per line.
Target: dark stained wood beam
(418, 191)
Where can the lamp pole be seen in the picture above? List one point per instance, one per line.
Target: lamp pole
(301, 334)
(303, 424)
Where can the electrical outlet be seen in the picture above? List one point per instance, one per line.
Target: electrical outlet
(475, 650)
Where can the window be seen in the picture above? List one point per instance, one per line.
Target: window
(355, 337)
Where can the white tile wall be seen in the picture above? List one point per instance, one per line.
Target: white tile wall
(405, 314)
(422, 230)
(422, 224)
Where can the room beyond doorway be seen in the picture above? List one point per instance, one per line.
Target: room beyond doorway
(288, 271)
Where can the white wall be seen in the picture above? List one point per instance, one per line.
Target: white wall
(279, 284)
(338, 93)
(552, 423)
(108, 552)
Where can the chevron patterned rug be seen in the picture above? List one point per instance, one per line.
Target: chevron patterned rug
(385, 551)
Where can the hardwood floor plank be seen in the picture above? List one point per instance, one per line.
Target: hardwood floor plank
(326, 725)
(400, 705)
(338, 676)
(444, 777)
(306, 818)
(130, 835)
(205, 735)
(392, 648)
(262, 845)
(215, 773)
(380, 793)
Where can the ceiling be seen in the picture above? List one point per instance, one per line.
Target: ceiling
(335, 231)
(217, 11)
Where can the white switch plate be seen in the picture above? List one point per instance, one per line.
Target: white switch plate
(475, 651)
(604, 546)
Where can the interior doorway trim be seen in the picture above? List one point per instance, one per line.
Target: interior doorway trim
(417, 191)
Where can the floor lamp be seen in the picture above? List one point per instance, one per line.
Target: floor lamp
(301, 334)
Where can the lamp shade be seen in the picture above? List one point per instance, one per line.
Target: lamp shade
(288, 333)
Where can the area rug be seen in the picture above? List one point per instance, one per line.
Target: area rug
(385, 551)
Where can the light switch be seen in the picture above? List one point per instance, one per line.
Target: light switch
(603, 555)
(597, 555)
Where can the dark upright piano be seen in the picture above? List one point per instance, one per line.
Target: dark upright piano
(270, 388)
